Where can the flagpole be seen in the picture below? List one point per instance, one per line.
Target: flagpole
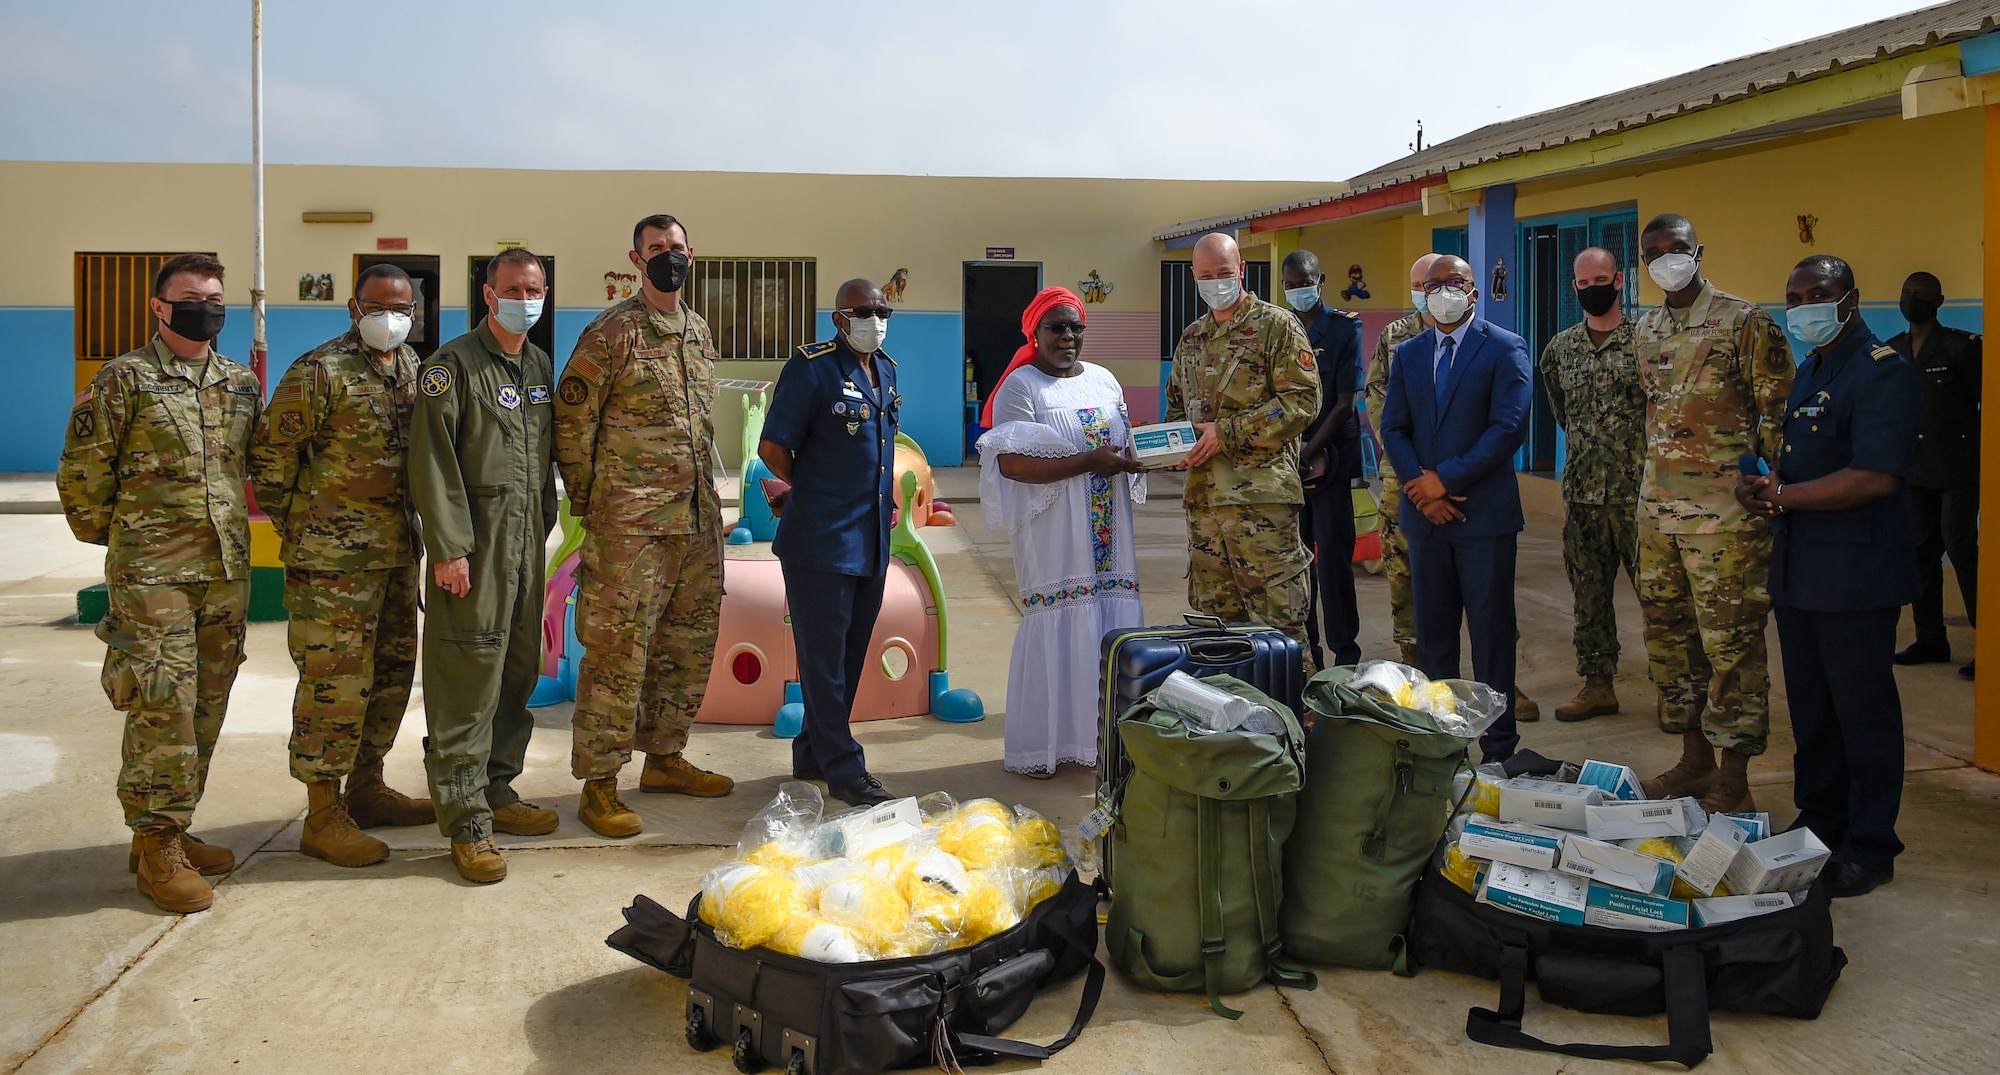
(257, 340)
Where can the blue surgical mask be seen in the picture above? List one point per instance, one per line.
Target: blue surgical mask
(1303, 298)
(1417, 300)
(518, 315)
(1816, 323)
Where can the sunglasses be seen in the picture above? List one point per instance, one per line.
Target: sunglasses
(882, 312)
(1064, 328)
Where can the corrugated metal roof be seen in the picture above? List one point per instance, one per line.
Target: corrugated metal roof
(1704, 88)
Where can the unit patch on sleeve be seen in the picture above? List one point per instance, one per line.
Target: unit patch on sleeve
(290, 425)
(573, 391)
(436, 381)
(83, 423)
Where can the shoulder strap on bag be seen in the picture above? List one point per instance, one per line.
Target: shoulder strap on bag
(1093, 988)
(1264, 884)
(1688, 1041)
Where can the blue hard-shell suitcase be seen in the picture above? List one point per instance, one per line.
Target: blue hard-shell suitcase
(1138, 660)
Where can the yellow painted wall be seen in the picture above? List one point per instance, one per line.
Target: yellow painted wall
(855, 225)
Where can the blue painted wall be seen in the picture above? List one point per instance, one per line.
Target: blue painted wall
(41, 377)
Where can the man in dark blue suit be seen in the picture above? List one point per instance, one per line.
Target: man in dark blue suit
(1456, 412)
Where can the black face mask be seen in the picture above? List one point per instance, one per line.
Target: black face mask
(1919, 311)
(197, 320)
(1598, 299)
(667, 270)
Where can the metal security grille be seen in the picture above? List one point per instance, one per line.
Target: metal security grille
(111, 293)
(757, 307)
(1180, 300)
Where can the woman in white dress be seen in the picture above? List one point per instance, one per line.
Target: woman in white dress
(1056, 472)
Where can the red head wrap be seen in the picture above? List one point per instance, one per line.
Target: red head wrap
(1031, 319)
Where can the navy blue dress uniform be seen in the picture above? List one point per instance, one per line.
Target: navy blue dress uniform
(1944, 477)
(1327, 524)
(833, 539)
(1839, 580)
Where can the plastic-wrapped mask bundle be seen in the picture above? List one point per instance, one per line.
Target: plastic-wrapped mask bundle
(1205, 710)
(992, 904)
(810, 936)
(980, 837)
(935, 887)
(785, 831)
(749, 904)
(1040, 841)
(867, 905)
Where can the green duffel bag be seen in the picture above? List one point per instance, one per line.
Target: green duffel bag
(1197, 850)
(1378, 794)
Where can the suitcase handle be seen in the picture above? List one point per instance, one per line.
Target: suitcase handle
(1222, 651)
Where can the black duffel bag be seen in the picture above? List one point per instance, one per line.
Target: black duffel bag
(1782, 963)
(862, 1018)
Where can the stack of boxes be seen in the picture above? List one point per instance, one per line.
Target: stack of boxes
(1591, 850)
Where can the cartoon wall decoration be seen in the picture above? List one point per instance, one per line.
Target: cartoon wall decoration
(619, 285)
(1807, 222)
(315, 288)
(1095, 289)
(898, 281)
(1499, 279)
(1357, 288)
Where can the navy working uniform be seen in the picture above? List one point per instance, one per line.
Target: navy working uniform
(1944, 478)
(1327, 524)
(833, 540)
(1839, 580)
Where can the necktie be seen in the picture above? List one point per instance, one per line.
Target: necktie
(1443, 368)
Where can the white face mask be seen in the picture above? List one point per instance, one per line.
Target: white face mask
(1221, 294)
(1447, 305)
(518, 315)
(384, 330)
(865, 334)
(1673, 271)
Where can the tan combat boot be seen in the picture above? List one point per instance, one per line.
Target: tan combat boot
(1598, 698)
(330, 834)
(207, 859)
(167, 877)
(671, 772)
(1409, 653)
(604, 813)
(370, 802)
(1694, 774)
(479, 861)
(1731, 793)
(1525, 709)
(523, 818)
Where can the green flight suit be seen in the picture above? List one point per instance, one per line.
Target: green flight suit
(482, 449)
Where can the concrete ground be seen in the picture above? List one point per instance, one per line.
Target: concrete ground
(301, 966)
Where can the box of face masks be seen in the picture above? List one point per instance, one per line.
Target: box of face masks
(1722, 909)
(1778, 863)
(1609, 864)
(1616, 781)
(1519, 845)
(1547, 802)
(1619, 909)
(1711, 857)
(1637, 821)
(1165, 444)
(1543, 894)
(1757, 826)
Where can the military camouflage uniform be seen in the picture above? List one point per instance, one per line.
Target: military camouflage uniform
(1395, 547)
(1712, 374)
(153, 467)
(1253, 376)
(328, 469)
(634, 429)
(1598, 401)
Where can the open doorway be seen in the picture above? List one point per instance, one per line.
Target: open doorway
(426, 277)
(995, 294)
(543, 333)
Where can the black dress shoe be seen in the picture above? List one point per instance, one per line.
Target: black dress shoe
(866, 791)
(1965, 670)
(1852, 880)
(1924, 653)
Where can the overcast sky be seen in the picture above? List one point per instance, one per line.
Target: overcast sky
(1222, 89)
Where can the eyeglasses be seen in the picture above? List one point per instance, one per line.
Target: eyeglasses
(1065, 328)
(407, 309)
(1459, 282)
(882, 312)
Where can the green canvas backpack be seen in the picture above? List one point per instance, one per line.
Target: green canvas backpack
(1377, 796)
(1197, 851)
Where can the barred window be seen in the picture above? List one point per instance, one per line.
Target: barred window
(111, 292)
(757, 307)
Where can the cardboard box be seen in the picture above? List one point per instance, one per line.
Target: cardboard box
(1757, 825)
(1619, 909)
(1609, 864)
(1715, 912)
(1520, 845)
(1616, 781)
(1164, 444)
(1780, 863)
(1710, 858)
(890, 823)
(1543, 894)
(1547, 802)
(1636, 821)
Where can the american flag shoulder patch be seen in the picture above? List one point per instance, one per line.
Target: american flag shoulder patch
(584, 366)
(85, 396)
(288, 391)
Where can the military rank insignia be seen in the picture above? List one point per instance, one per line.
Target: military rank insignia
(538, 393)
(436, 381)
(291, 425)
(509, 396)
(853, 428)
(573, 391)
